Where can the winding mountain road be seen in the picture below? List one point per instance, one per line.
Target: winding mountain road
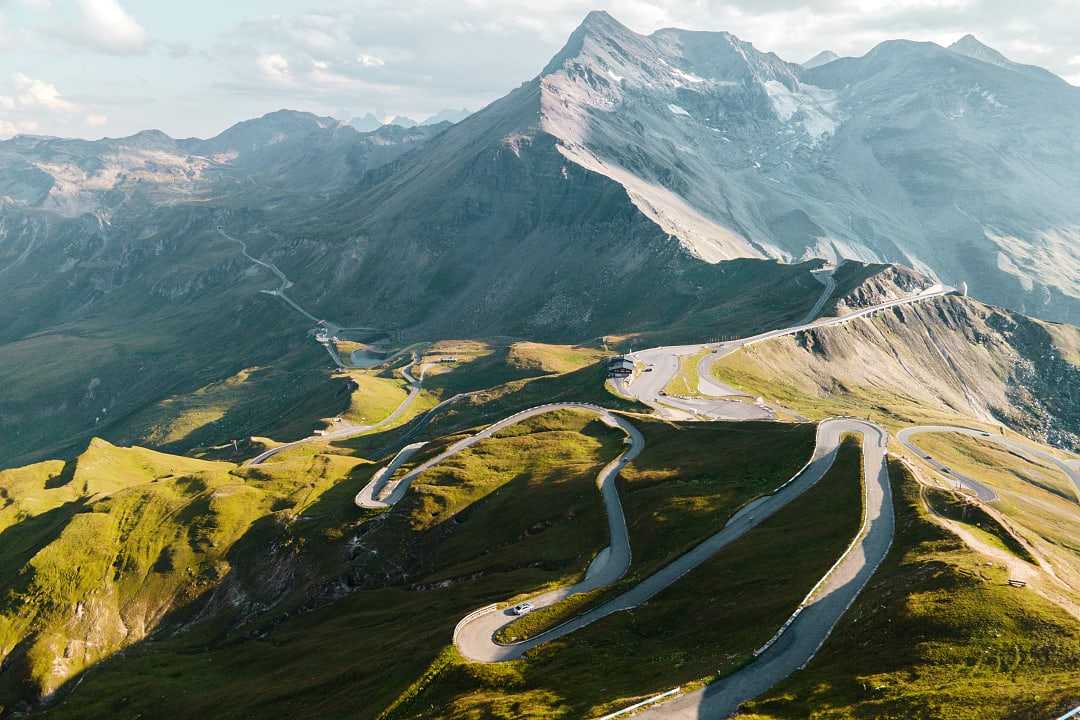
(473, 636)
(808, 628)
(348, 430)
(664, 361)
(798, 640)
(286, 283)
(328, 327)
(983, 492)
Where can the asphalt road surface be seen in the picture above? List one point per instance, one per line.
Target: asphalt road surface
(473, 636)
(348, 430)
(369, 496)
(983, 492)
(811, 624)
(647, 386)
(798, 640)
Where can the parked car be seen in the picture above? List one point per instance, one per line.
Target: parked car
(522, 608)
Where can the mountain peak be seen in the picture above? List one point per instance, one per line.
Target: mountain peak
(970, 46)
(823, 57)
(600, 21)
(598, 27)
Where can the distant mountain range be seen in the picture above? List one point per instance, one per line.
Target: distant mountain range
(656, 183)
(281, 150)
(370, 121)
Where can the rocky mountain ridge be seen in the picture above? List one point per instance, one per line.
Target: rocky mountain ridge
(913, 153)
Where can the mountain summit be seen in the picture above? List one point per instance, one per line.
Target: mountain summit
(970, 46)
(913, 153)
(825, 56)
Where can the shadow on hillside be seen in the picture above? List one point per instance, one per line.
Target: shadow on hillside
(292, 571)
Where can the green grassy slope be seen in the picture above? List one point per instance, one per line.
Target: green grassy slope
(1038, 500)
(706, 624)
(518, 511)
(691, 478)
(937, 634)
(96, 553)
(943, 361)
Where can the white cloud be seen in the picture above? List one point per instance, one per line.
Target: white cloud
(108, 27)
(1074, 60)
(370, 60)
(14, 127)
(7, 102)
(38, 93)
(274, 66)
(96, 119)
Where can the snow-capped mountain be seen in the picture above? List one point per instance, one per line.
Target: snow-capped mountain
(961, 166)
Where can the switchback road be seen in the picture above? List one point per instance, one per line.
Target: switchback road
(983, 492)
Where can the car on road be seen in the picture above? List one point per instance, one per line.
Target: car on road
(522, 608)
(945, 470)
(648, 369)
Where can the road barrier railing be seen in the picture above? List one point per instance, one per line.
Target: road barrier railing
(643, 703)
(472, 616)
(864, 528)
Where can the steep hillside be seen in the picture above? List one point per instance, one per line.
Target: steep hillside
(490, 229)
(941, 361)
(97, 554)
(951, 639)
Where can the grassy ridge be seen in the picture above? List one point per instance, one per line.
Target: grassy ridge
(937, 634)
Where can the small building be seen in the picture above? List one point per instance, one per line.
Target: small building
(620, 366)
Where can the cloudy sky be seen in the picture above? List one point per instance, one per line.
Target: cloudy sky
(93, 68)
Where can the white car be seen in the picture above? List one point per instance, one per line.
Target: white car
(522, 608)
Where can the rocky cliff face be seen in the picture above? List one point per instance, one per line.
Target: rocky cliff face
(913, 153)
(860, 286)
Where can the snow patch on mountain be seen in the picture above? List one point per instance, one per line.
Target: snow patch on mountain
(810, 107)
(677, 110)
(1054, 258)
